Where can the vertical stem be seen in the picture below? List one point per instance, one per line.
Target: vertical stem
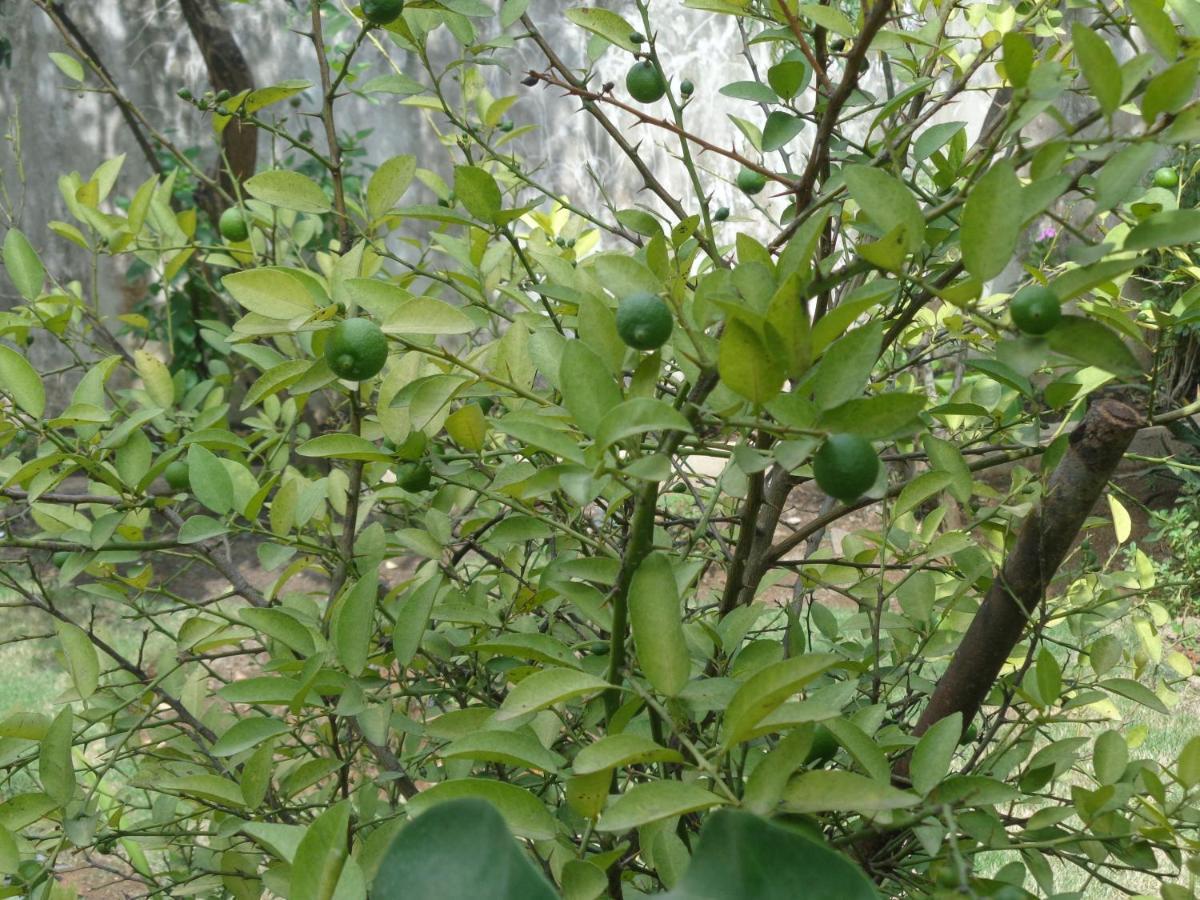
(328, 95)
(638, 545)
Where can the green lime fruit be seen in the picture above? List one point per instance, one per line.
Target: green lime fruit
(356, 349)
(176, 475)
(824, 746)
(414, 477)
(644, 321)
(645, 83)
(1035, 309)
(721, 214)
(381, 12)
(184, 94)
(686, 87)
(846, 466)
(751, 182)
(1166, 177)
(233, 225)
(636, 37)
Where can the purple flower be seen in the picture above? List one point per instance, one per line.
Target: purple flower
(1048, 233)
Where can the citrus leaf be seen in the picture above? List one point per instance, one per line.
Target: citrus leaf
(838, 791)
(24, 267)
(1095, 344)
(654, 617)
(617, 750)
(246, 734)
(511, 748)
(288, 190)
(655, 800)
(545, 688)
(321, 855)
(524, 813)
(608, 25)
(21, 381)
(934, 752)
(991, 222)
(888, 202)
(452, 850)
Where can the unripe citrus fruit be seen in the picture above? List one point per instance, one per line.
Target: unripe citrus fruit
(414, 477)
(645, 83)
(686, 87)
(176, 475)
(751, 182)
(721, 214)
(233, 225)
(381, 12)
(845, 466)
(644, 321)
(356, 349)
(1035, 309)
(1166, 177)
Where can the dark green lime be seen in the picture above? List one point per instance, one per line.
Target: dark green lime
(845, 466)
(356, 349)
(644, 321)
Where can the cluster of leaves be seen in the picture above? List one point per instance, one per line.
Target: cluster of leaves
(591, 626)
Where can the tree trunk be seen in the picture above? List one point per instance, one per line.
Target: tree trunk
(227, 71)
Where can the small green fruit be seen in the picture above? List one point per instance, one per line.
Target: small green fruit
(1035, 309)
(356, 349)
(1166, 177)
(414, 477)
(751, 182)
(176, 475)
(644, 321)
(637, 38)
(645, 83)
(721, 214)
(233, 225)
(222, 96)
(845, 466)
(382, 12)
(686, 88)
(184, 94)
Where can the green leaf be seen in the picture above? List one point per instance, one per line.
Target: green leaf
(888, 202)
(523, 812)
(425, 315)
(1187, 769)
(934, 138)
(10, 854)
(877, 417)
(766, 689)
(1099, 67)
(780, 129)
(622, 275)
(838, 791)
(1048, 675)
(1122, 174)
(615, 751)
(68, 65)
(201, 528)
(1157, 26)
(248, 733)
(270, 292)
(24, 267)
(991, 222)
(536, 647)
(588, 389)
(1170, 228)
(80, 653)
(1137, 692)
(1018, 58)
(353, 623)
(1110, 757)
(388, 184)
(412, 618)
(637, 416)
(845, 367)
(478, 192)
(343, 446)
(545, 688)
(745, 365)
(288, 190)
(787, 78)
(610, 26)
(321, 856)
(281, 626)
(1170, 90)
(452, 851)
(510, 748)
(209, 480)
(920, 489)
(56, 771)
(156, 378)
(829, 18)
(1095, 344)
(743, 857)
(934, 752)
(654, 616)
(21, 381)
(651, 801)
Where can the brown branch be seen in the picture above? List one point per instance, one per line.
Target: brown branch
(1096, 447)
(798, 30)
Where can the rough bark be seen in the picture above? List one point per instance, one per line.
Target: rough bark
(1095, 448)
(227, 71)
